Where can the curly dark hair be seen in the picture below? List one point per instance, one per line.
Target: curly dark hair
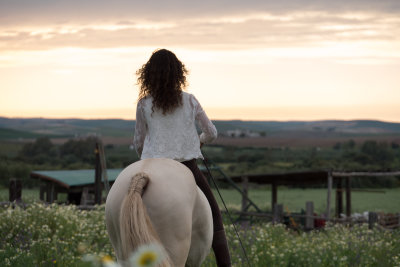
(163, 77)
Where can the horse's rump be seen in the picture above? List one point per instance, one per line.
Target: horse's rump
(166, 210)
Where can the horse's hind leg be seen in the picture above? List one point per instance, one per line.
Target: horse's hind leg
(175, 234)
(202, 232)
(180, 252)
(112, 225)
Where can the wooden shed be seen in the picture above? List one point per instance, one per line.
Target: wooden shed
(78, 184)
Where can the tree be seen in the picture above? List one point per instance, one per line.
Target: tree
(395, 145)
(375, 152)
(40, 151)
(349, 144)
(79, 150)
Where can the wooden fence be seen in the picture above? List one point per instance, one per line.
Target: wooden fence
(312, 221)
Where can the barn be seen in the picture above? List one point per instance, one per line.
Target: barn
(79, 185)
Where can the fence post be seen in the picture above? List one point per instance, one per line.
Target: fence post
(348, 197)
(278, 213)
(339, 198)
(50, 192)
(309, 225)
(97, 177)
(15, 190)
(274, 189)
(42, 191)
(245, 186)
(372, 219)
(398, 219)
(328, 208)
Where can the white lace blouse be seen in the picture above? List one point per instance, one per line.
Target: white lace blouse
(173, 135)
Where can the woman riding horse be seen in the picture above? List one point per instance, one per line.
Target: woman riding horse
(165, 128)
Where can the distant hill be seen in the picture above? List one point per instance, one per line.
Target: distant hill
(338, 126)
(34, 127)
(14, 134)
(69, 127)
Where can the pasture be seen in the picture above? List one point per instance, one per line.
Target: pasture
(60, 235)
(294, 199)
(383, 200)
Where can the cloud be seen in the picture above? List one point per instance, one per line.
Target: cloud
(363, 32)
(312, 29)
(28, 12)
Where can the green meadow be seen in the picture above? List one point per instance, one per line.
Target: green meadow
(294, 199)
(63, 235)
(59, 235)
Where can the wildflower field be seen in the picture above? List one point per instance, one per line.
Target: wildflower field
(59, 235)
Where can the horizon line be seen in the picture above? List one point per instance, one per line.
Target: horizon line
(377, 112)
(248, 120)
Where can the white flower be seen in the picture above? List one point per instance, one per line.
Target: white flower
(147, 256)
(108, 262)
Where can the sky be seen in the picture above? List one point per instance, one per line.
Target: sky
(249, 60)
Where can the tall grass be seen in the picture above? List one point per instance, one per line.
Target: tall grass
(59, 235)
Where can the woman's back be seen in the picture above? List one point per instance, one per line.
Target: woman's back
(172, 135)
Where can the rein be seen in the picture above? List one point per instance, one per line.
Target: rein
(229, 215)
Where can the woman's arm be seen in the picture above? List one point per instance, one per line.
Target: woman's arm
(140, 129)
(209, 132)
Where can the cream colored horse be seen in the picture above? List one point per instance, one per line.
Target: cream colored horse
(171, 210)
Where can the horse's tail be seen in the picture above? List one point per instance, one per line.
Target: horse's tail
(135, 224)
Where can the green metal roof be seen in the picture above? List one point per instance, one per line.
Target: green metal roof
(69, 178)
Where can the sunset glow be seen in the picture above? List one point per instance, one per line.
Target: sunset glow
(253, 62)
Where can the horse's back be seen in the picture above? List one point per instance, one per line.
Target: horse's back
(170, 199)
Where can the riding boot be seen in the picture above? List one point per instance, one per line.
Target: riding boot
(221, 251)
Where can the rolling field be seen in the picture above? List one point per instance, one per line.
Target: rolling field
(58, 235)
